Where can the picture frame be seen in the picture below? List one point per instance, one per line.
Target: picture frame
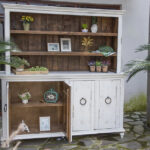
(65, 44)
(44, 123)
(53, 47)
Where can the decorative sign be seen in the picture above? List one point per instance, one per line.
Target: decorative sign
(51, 96)
(44, 123)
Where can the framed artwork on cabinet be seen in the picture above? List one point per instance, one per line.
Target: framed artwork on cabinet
(44, 123)
(53, 47)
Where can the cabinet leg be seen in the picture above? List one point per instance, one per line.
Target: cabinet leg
(121, 135)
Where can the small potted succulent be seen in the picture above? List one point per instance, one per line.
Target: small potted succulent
(98, 66)
(19, 63)
(26, 22)
(105, 65)
(25, 97)
(91, 64)
(84, 28)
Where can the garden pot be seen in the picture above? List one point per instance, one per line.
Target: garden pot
(105, 68)
(98, 68)
(21, 68)
(25, 101)
(26, 26)
(84, 30)
(94, 28)
(92, 68)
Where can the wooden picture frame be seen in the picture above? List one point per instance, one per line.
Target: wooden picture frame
(65, 44)
(53, 47)
(44, 123)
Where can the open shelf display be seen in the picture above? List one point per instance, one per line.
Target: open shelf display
(31, 112)
(48, 28)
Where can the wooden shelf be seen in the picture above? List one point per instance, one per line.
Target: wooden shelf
(27, 53)
(62, 33)
(38, 104)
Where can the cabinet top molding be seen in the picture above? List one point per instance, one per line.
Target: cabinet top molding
(62, 10)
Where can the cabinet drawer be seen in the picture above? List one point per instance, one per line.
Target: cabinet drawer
(106, 103)
(82, 105)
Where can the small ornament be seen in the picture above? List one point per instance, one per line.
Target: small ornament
(51, 96)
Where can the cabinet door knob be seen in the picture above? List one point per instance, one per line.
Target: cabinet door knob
(5, 108)
(83, 101)
(108, 100)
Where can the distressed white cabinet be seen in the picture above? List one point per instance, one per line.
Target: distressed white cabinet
(82, 102)
(107, 103)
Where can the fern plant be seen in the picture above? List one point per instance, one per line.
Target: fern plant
(12, 61)
(135, 66)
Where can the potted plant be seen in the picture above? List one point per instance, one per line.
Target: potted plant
(91, 64)
(87, 42)
(84, 28)
(98, 66)
(105, 65)
(26, 22)
(25, 97)
(19, 63)
(94, 27)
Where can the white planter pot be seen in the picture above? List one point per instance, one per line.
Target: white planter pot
(19, 69)
(25, 101)
(94, 28)
(84, 30)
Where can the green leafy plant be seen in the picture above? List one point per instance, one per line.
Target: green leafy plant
(106, 49)
(17, 62)
(37, 68)
(27, 19)
(94, 20)
(98, 63)
(135, 66)
(25, 96)
(84, 26)
(13, 61)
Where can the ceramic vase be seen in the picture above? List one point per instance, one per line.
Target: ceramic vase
(26, 26)
(94, 28)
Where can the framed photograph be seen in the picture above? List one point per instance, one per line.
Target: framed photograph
(65, 44)
(53, 47)
(45, 123)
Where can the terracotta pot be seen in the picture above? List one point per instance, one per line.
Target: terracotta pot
(92, 68)
(98, 68)
(26, 26)
(21, 68)
(105, 68)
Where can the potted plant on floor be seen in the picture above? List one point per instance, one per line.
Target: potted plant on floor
(25, 97)
(84, 28)
(91, 64)
(26, 22)
(105, 65)
(98, 66)
(19, 63)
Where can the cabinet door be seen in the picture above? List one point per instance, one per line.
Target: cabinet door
(82, 105)
(106, 103)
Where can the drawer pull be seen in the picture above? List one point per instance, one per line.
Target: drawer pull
(108, 100)
(5, 108)
(83, 101)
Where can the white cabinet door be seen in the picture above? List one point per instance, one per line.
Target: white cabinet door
(82, 105)
(106, 103)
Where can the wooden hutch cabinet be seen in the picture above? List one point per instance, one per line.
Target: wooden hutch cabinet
(89, 103)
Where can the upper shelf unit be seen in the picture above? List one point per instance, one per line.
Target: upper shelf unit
(38, 32)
